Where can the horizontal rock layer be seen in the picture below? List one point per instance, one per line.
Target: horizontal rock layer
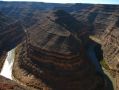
(103, 22)
(54, 39)
(53, 56)
(6, 84)
(47, 73)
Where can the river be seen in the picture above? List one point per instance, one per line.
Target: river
(94, 60)
(8, 64)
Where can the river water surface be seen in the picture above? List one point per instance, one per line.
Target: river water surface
(8, 64)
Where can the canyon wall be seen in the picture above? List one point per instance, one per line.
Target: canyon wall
(53, 57)
(103, 21)
(11, 34)
(56, 41)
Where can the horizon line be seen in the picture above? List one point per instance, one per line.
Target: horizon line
(61, 2)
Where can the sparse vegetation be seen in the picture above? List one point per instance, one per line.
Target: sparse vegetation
(104, 64)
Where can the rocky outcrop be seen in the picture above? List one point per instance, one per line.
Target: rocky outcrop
(104, 22)
(53, 56)
(55, 39)
(6, 84)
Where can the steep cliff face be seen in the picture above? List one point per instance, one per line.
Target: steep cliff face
(55, 46)
(103, 21)
(53, 56)
(11, 34)
(6, 84)
(104, 26)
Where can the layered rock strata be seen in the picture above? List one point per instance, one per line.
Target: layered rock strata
(103, 22)
(53, 56)
(6, 84)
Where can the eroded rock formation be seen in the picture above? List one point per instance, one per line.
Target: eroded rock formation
(53, 56)
(56, 41)
(6, 84)
(103, 21)
(11, 33)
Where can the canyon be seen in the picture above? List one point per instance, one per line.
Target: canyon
(61, 46)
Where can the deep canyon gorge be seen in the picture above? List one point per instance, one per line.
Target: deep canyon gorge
(50, 46)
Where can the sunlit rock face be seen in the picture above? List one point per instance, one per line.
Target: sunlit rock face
(104, 25)
(6, 84)
(53, 56)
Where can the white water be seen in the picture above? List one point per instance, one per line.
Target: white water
(8, 64)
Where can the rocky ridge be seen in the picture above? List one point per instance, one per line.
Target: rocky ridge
(50, 59)
(104, 30)
(99, 21)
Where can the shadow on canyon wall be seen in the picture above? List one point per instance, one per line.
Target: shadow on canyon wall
(99, 55)
(95, 54)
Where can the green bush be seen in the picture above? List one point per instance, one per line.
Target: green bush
(104, 64)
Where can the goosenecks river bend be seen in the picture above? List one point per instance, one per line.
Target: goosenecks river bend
(8, 63)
